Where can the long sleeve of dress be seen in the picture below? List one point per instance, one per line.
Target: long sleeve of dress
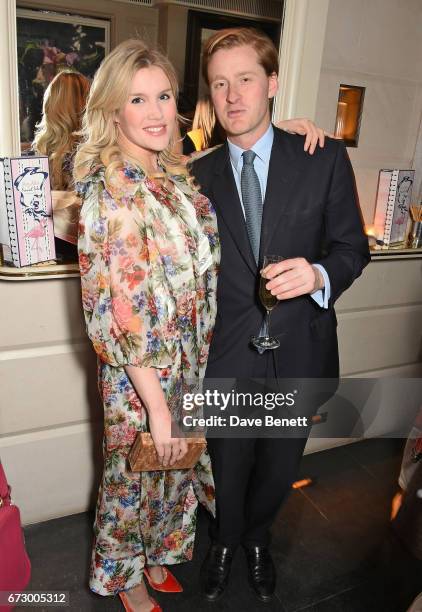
(120, 308)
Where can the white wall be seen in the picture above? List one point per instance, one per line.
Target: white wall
(50, 413)
(376, 44)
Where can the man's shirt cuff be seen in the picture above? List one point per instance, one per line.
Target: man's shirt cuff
(322, 296)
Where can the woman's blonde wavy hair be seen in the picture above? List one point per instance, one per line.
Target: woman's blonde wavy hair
(57, 133)
(204, 119)
(109, 93)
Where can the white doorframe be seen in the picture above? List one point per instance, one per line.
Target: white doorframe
(9, 97)
(301, 50)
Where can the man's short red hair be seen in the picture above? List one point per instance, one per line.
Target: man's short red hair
(238, 37)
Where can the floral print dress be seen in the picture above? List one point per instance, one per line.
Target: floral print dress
(148, 260)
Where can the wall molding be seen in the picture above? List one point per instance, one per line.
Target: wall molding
(383, 78)
(35, 352)
(376, 311)
(149, 3)
(16, 438)
(266, 9)
(407, 370)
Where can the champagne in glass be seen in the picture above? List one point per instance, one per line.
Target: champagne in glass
(269, 301)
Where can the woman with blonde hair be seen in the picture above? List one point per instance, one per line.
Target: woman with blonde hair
(206, 131)
(148, 253)
(57, 133)
(57, 136)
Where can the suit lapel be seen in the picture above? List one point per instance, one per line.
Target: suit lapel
(226, 200)
(283, 172)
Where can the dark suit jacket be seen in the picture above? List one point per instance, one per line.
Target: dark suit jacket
(310, 210)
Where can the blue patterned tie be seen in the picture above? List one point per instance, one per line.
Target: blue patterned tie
(252, 201)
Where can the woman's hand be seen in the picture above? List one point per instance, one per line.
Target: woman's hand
(169, 450)
(147, 385)
(305, 127)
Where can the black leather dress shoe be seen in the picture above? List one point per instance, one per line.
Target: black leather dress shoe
(215, 571)
(261, 571)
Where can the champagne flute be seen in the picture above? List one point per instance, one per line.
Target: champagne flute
(269, 301)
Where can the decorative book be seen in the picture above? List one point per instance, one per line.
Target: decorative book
(26, 222)
(392, 206)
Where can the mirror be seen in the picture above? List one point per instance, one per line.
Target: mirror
(47, 43)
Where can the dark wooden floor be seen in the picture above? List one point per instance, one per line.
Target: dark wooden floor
(332, 545)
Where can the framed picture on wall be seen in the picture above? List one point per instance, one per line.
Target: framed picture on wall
(48, 42)
(200, 27)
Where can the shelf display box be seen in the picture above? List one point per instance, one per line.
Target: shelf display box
(26, 219)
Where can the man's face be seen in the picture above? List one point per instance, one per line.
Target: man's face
(240, 90)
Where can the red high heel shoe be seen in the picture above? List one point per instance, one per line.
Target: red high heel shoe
(128, 607)
(169, 584)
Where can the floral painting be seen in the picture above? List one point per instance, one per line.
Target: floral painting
(47, 43)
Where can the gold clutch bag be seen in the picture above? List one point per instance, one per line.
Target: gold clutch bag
(143, 456)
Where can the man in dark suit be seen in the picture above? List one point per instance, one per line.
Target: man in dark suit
(270, 197)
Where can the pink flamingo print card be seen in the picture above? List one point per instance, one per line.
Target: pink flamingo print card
(26, 220)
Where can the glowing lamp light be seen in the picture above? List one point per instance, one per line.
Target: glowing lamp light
(349, 114)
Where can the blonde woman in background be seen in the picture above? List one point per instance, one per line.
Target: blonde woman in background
(148, 254)
(205, 131)
(57, 133)
(57, 136)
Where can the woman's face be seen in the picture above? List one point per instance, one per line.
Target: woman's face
(147, 120)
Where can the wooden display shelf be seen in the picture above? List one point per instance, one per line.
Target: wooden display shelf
(39, 272)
